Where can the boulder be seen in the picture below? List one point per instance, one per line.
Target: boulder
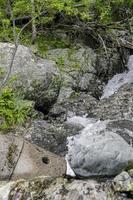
(20, 159)
(52, 137)
(78, 68)
(97, 151)
(123, 183)
(38, 79)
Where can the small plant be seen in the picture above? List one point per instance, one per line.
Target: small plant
(13, 110)
(60, 61)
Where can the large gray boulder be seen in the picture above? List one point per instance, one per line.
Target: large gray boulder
(38, 79)
(99, 152)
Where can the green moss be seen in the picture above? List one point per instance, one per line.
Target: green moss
(55, 83)
(74, 95)
(2, 72)
(60, 61)
(10, 155)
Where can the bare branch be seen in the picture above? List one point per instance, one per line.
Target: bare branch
(16, 42)
(104, 46)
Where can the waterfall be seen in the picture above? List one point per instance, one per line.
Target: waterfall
(119, 80)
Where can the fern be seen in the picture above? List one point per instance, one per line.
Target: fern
(13, 110)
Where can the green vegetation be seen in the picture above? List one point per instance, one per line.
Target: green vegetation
(45, 43)
(13, 110)
(51, 14)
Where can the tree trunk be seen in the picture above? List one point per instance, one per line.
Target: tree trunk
(34, 31)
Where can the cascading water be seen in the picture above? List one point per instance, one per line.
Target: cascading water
(91, 126)
(118, 80)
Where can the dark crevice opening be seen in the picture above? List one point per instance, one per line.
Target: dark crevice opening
(45, 160)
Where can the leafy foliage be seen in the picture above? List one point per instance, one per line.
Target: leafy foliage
(13, 109)
(101, 11)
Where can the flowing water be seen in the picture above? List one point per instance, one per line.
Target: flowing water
(91, 126)
(118, 80)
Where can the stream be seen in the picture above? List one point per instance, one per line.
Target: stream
(92, 126)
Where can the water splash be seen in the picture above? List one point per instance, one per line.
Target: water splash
(83, 121)
(118, 80)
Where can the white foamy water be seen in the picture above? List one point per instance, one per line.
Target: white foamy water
(118, 80)
(77, 120)
(82, 139)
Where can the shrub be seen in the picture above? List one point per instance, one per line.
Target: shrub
(13, 110)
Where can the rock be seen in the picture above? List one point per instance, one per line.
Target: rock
(85, 82)
(111, 64)
(10, 149)
(52, 137)
(77, 68)
(58, 189)
(78, 103)
(97, 151)
(117, 106)
(20, 159)
(37, 78)
(74, 59)
(124, 128)
(35, 161)
(123, 183)
(130, 172)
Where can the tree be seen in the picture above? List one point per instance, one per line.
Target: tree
(34, 31)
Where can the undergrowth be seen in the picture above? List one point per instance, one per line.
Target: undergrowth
(13, 110)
